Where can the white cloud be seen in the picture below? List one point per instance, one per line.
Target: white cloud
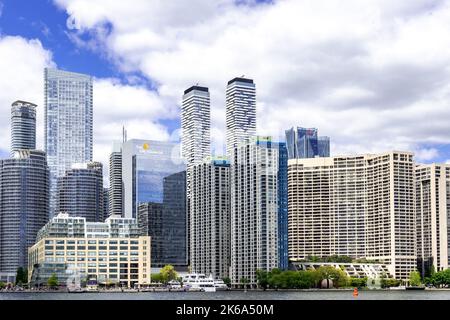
(22, 63)
(372, 74)
(426, 154)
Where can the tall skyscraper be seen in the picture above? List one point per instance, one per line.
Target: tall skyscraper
(240, 112)
(357, 206)
(23, 126)
(115, 180)
(24, 206)
(195, 125)
(254, 210)
(80, 192)
(196, 136)
(305, 143)
(433, 214)
(68, 123)
(145, 165)
(165, 222)
(210, 218)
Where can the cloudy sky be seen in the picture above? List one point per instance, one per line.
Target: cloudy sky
(373, 75)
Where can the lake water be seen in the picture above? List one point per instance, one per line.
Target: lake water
(236, 295)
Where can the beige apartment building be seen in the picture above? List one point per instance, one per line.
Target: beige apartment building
(112, 252)
(359, 206)
(433, 207)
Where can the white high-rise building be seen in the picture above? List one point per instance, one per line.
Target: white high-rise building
(23, 126)
(115, 180)
(357, 206)
(195, 136)
(254, 210)
(433, 211)
(68, 123)
(195, 125)
(240, 112)
(210, 218)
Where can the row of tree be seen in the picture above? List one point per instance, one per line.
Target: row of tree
(312, 278)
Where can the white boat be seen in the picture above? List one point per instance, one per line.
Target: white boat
(92, 284)
(220, 285)
(173, 284)
(398, 288)
(199, 282)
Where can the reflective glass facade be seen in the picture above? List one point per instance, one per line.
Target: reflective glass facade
(146, 164)
(305, 143)
(68, 123)
(166, 222)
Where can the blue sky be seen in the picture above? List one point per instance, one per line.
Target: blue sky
(373, 77)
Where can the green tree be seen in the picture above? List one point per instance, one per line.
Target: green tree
(339, 277)
(2, 285)
(20, 276)
(358, 282)
(244, 281)
(168, 273)
(53, 282)
(227, 281)
(414, 279)
(156, 277)
(262, 277)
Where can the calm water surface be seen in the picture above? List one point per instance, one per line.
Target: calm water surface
(234, 295)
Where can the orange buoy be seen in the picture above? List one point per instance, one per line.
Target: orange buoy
(355, 292)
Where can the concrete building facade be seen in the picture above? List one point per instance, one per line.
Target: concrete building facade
(357, 206)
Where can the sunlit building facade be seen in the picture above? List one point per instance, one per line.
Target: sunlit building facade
(112, 251)
(433, 212)
(357, 206)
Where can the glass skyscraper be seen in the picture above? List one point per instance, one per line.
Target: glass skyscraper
(145, 165)
(80, 192)
(305, 143)
(154, 184)
(68, 123)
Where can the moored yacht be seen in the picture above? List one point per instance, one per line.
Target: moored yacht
(199, 282)
(220, 285)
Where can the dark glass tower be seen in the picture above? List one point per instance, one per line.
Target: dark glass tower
(165, 222)
(80, 192)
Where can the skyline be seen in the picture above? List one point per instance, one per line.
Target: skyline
(389, 72)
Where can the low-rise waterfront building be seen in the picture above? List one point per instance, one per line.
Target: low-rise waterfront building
(112, 251)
